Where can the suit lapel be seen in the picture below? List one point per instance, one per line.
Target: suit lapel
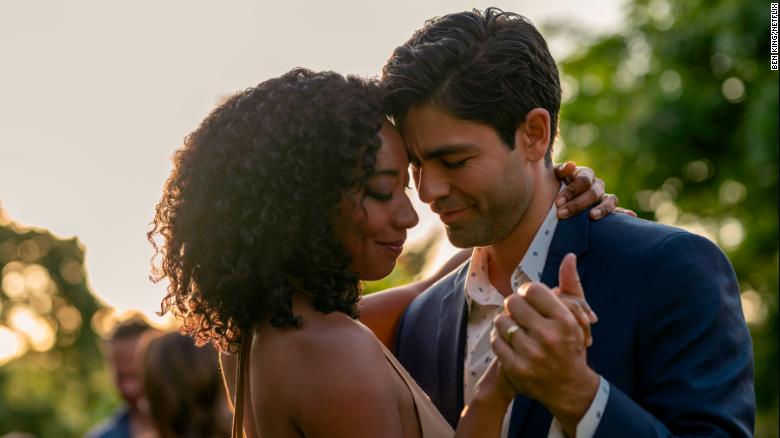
(571, 235)
(519, 409)
(451, 344)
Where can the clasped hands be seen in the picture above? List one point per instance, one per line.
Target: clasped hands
(540, 342)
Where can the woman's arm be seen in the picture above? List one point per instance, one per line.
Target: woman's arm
(381, 311)
(484, 415)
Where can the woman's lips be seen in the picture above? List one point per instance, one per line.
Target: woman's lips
(394, 247)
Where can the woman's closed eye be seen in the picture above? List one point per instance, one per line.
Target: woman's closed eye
(379, 196)
(383, 187)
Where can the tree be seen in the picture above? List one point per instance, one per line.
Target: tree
(679, 115)
(52, 376)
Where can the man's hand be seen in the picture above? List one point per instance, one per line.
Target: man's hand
(544, 357)
(583, 190)
(570, 292)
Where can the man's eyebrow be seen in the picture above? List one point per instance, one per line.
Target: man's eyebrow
(447, 149)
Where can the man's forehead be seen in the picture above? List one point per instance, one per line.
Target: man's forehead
(444, 149)
(435, 142)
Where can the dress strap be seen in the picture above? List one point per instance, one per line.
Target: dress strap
(243, 362)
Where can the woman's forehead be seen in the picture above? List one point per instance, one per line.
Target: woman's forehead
(392, 153)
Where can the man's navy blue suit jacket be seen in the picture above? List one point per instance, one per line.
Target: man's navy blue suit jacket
(671, 338)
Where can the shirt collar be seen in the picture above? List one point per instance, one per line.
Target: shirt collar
(478, 287)
(534, 259)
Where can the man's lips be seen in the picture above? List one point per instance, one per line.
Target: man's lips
(451, 215)
(394, 247)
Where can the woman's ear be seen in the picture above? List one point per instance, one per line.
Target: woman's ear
(534, 134)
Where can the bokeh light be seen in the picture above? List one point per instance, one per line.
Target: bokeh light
(69, 319)
(12, 345)
(753, 307)
(733, 89)
(37, 330)
(71, 271)
(731, 233)
(670, 82)
(13, 283)
(698, 171)
(731, 192)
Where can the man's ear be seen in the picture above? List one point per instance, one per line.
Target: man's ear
(534, 134)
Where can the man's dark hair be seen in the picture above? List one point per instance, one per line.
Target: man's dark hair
(491, 66)
(129, 329)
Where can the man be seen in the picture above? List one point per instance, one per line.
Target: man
(122, 355)
(476, 96)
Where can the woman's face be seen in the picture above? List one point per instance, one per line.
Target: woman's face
(372, 222)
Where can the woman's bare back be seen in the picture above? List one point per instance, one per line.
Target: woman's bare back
(327, 378)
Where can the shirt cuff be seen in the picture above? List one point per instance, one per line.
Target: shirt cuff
(587, 426)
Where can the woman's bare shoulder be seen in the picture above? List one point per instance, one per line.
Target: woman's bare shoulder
(326, 337)
(332, 373)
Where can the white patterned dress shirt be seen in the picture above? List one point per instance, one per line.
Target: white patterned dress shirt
(485, 302)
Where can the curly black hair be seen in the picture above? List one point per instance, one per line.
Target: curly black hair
(245, 216)
(490, 66)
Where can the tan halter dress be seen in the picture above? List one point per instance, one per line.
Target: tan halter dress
(432, 424)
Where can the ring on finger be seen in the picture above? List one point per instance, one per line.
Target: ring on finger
(510, 333)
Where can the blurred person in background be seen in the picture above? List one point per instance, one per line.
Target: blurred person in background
(183, 387)
(122, 356)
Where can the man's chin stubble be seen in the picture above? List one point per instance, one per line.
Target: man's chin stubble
(467, 237)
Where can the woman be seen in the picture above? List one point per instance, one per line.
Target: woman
(280, 203)
(183, 387)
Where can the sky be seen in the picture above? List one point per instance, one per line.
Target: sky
(95, 96)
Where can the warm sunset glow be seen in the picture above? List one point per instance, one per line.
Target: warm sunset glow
(71, 271)
(37, 280)
(69, 319)
(11, 345)
(88, 148)
(37, 330)
(13, 281)
(103, 321)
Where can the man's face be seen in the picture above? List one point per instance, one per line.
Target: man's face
(477, 185)
(123, 360)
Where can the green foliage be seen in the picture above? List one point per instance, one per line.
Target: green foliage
(679, 115)
(59, 386)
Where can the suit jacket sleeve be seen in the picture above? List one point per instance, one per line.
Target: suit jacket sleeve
(695, 361)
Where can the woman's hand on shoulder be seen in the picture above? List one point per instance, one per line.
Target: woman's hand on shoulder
(584, 190)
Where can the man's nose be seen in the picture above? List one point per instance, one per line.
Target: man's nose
(431, 185)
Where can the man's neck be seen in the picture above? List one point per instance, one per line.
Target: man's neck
(506, 254)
